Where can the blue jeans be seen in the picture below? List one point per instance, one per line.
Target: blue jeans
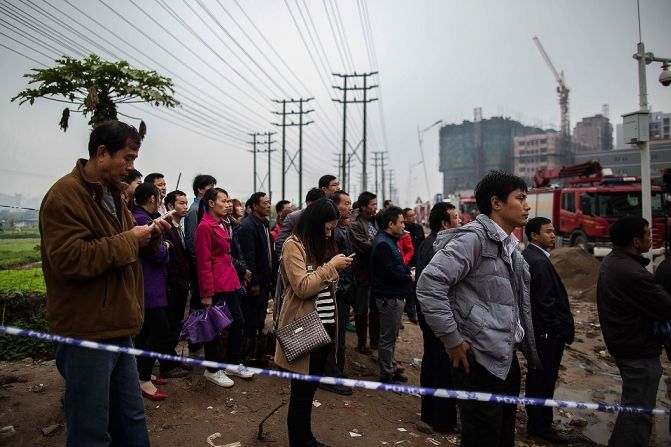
(103, 403)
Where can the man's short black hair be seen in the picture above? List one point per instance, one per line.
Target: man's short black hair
(202, 181)
(132, 175)
(114, 135)
(534, 226)
(314, 194)
(387, 216)
(496, 184)
(150, 178)
(279, 206)
(365, 198)
(254, 199)
(325, 180)
(387, 202)
(337, 196)
(406, 211)
(171, 197)
(439, 213)
(626, 229)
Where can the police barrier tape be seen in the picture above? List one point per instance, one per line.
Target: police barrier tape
(404, 389)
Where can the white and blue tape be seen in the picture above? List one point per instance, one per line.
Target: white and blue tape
(365, 384)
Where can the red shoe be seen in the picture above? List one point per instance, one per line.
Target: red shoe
(159, 381)
(158, 395)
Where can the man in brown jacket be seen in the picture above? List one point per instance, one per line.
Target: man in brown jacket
(90, 257)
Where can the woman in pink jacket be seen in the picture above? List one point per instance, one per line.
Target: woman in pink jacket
(218, 278)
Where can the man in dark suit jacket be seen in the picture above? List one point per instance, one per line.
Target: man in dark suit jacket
(260, 259)
(553, 326)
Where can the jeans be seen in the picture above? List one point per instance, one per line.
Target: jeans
(391, 311)
(299, 416)
(541, 383)
(640, 380)
(212, 348)
(486, 424)
(103, 404)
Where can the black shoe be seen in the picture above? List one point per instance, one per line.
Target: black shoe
(315, 443)
(400, 377)
(553, 436)
(338, 389)
(413, 319)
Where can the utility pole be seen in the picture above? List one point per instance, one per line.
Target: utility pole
(391, 183)
(299, 152)
(256, 151)
(345, 88)
(382, 163)
(253, 151)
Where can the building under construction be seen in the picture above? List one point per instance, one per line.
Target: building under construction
(470, 149)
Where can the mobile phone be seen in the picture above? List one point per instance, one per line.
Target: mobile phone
(169, 214)
(352, 256)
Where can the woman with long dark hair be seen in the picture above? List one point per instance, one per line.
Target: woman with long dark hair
(155, 333)
(218, 278)
(309, 267)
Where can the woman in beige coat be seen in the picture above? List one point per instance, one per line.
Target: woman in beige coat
(310, 266)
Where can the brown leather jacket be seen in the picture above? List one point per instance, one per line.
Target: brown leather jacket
(301, 289)
(90, 261)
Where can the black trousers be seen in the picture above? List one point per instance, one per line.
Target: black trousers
(541, 383)
(440, 413)
(299, 416)
(177, 297)
(212, 348)
(154, 336)
(255, 310)
(486, 424)
(411, 302)
(335, 364)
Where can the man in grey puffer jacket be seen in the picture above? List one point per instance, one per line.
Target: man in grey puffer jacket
(474, 295)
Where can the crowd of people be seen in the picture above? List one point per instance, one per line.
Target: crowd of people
(125, 261)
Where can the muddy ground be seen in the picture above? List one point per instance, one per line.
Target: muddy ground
(195, 410)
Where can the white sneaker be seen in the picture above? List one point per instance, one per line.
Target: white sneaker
(218, 378)
(240, 373)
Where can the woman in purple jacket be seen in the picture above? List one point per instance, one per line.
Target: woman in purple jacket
(155, 333)
(218, 278)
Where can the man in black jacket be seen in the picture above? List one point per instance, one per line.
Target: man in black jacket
(391, 278)
(256, 244)
(629, 300)
(335, 364)
(416, 236)
(553, 326)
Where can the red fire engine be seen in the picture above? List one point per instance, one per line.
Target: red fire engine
(587, 202)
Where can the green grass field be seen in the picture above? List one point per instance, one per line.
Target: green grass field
(29, 280)
(15, 252)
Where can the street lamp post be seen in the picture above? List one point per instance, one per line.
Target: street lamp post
(636, 126)
(421, 151)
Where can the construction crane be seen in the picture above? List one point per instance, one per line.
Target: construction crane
(563, 90)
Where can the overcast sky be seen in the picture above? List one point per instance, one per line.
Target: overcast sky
(437, 60)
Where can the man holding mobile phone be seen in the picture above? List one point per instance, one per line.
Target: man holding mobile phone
(90, 250)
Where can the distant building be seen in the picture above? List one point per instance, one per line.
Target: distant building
(470, 149)
(627, 162)
(593, 134)
(537, 151)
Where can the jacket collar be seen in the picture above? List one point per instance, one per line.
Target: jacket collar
(383, 233)
(209, 220)
(258, 221)
(96, 188)
(491, 227)
(620, 252)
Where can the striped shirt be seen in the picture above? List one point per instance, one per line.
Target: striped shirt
(325, 306)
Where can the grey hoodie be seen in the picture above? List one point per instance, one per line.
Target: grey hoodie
(471, 291)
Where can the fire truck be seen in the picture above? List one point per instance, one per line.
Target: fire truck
(468, 208)
(588, 200)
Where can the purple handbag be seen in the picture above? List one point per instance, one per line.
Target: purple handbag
(204, 325)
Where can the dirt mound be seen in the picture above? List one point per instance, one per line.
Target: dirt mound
(578, 270)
